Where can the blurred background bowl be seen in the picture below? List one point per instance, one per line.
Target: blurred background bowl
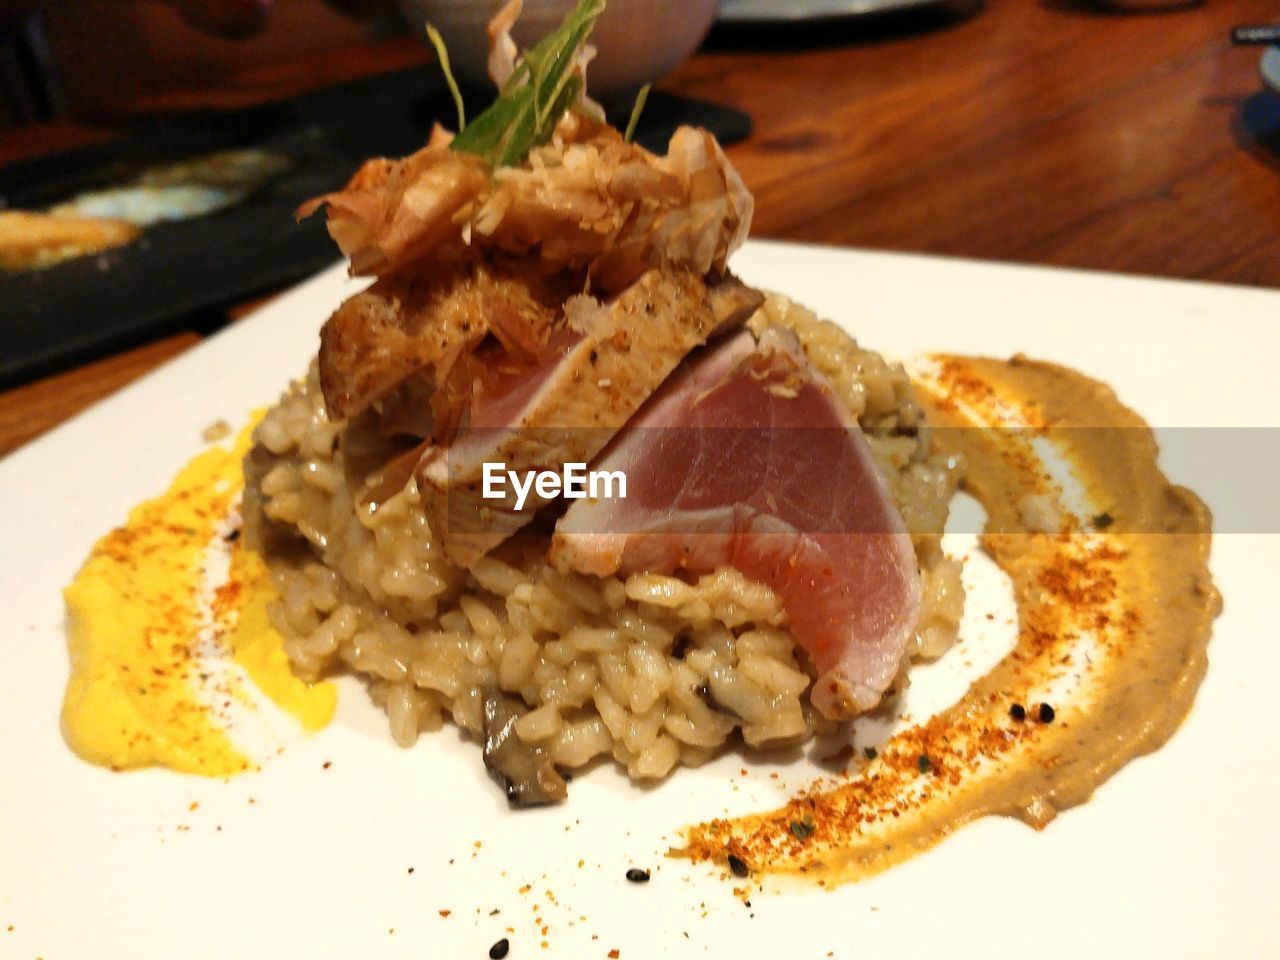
(638, 41)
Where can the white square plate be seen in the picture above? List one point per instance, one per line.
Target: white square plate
(1177, 856)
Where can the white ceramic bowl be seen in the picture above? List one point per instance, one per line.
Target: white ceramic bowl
(637, 40)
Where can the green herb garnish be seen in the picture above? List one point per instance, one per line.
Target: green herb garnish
(535, 96)
(442, 52)
(636, 109)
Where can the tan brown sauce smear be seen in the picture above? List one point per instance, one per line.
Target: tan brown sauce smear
(1115, 609)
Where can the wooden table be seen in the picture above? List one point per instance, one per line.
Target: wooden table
(1027, 131)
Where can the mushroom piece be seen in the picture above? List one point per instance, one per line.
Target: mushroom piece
(523, 770)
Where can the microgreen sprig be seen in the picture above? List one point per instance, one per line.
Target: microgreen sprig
(536, 95)
(442, 52)
(636, 109)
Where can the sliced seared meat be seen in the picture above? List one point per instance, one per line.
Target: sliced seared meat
(425, 322)
(747, 459)
(552, 295)
(566, 404)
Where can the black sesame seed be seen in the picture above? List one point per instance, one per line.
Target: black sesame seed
(1018, 712)
(636, 875)
(738, 866)
(500, 949)
(1046, 713)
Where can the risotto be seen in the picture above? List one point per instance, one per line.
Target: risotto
(651, 671)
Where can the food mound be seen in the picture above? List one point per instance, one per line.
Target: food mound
(775, 561)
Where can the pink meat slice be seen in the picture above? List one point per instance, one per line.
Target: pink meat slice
(747, 459)
(571, 399)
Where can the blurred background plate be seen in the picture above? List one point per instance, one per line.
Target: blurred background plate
(85, 307)
(796, 11)
(1269, 67)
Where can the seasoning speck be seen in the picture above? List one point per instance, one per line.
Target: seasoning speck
(500, 949)
(869, 753)
(1102, 521)
(1018, 712)
(614, 954)
(737, 866)
(923, 763)
(1046, 713)
(636, 875)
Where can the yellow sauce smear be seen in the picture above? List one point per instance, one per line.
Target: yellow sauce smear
(1114, 615)
(140, 692)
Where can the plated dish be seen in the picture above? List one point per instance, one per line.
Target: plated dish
(546, 296)
(753, 549)
(775, 571)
